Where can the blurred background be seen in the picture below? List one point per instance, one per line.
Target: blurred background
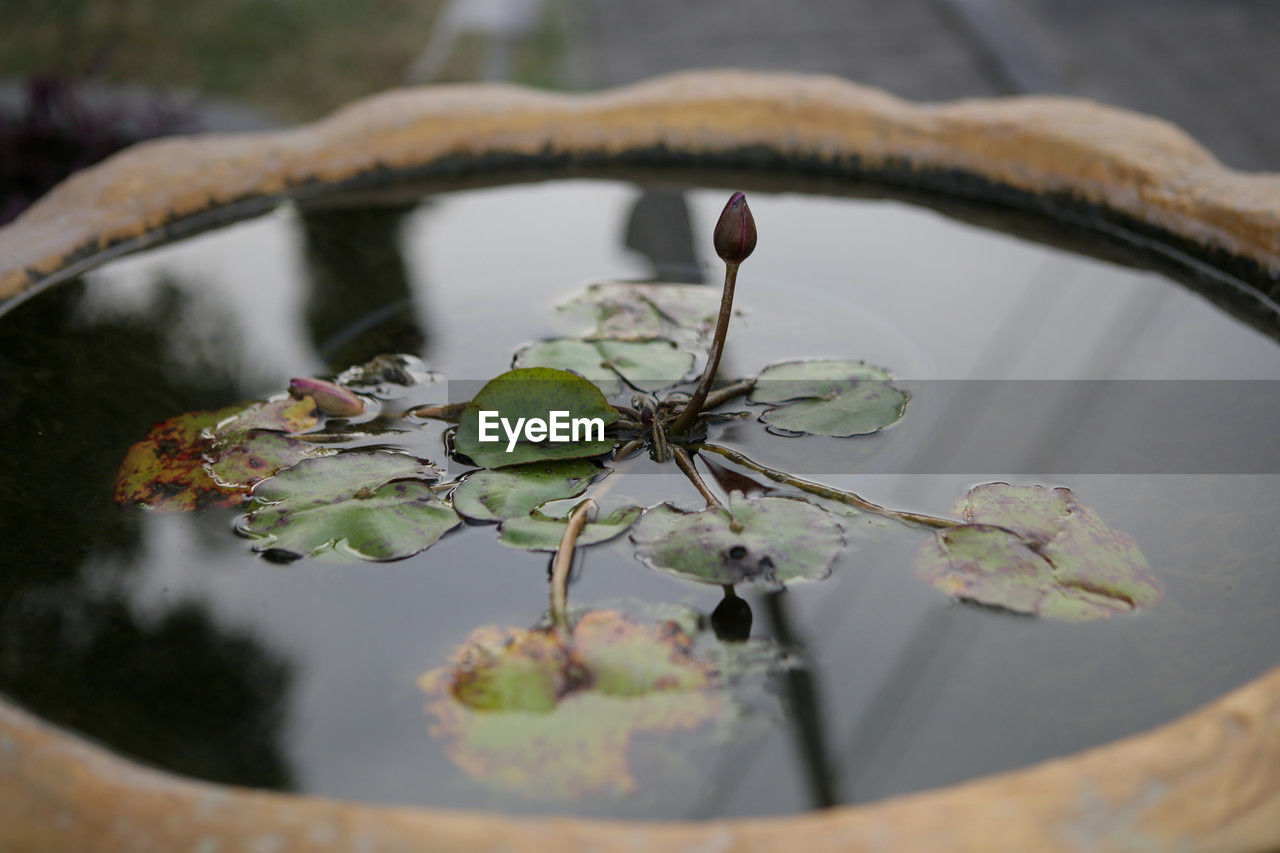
(81, 78)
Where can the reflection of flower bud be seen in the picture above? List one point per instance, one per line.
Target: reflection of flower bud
(735, 234)
(330, 399)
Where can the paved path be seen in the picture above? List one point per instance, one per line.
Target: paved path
(1211, 66)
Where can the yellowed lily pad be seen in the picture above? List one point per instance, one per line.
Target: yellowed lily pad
(631, 311)
(523, 712)
(1037, 551)
(176, 466)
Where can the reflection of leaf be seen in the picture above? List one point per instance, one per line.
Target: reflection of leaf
(1031, 550)
(835, 398)
(646, 365)
(532, 392)
(169, 469)
(635, 312)
(522, 712)
(540, 532)
(769, 539)
(515, 492)
(365, 503)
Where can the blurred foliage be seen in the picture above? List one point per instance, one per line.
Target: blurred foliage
(297, 59)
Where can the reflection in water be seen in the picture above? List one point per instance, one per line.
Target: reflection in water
(659, 227)
(360, 303)
(174, 688)
(804, 705)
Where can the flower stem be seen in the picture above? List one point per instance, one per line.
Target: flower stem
(830, 493)
(561, 566)
(690, 413)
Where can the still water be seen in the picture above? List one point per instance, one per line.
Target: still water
(164, 637)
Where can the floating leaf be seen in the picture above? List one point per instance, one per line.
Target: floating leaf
(835, 398)
(169, 470)
(292, 415)
(637, 312)
(388, 522)
(515, 492)
(386, 376)
(541, 532)
(366, 503)
(166, 470)
(244, 459)
(646, 365)
(770, 539)
(522, 711)
(1031, 550)
(532, 392)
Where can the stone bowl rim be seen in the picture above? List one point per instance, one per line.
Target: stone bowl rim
(1210, 780)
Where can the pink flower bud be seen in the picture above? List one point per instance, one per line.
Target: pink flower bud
(331, 399)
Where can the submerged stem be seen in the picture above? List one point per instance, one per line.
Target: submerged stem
(561, 566)
(830, 493)
(690, 412)
(686, 466)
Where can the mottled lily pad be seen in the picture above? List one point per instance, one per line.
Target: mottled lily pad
(170, 469)
(834, 398)
(523, 712)
(636, 312)
(542, 532)
(516, 492)
(244, 459)
(1037, 551)
(532, 392)
(290, 414)
(769, 539)
(363, 503)
(647, 365)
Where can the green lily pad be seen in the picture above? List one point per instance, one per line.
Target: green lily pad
(1031, 550)
(515, 492)
(389, 522)
(542, 532)
(532, 392)
(523, 711)
(169, 469)
(343, 476)
(647, 365)
(369, 504)
(833, 398)
(769, 539)
(636, 312)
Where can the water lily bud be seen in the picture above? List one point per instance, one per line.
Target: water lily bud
(735, 234)
(331, 399)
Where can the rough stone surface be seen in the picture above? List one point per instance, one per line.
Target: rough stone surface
(1123, 164)
(1210, 781)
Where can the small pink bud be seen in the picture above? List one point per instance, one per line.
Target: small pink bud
(735, 234)
(331, 399)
